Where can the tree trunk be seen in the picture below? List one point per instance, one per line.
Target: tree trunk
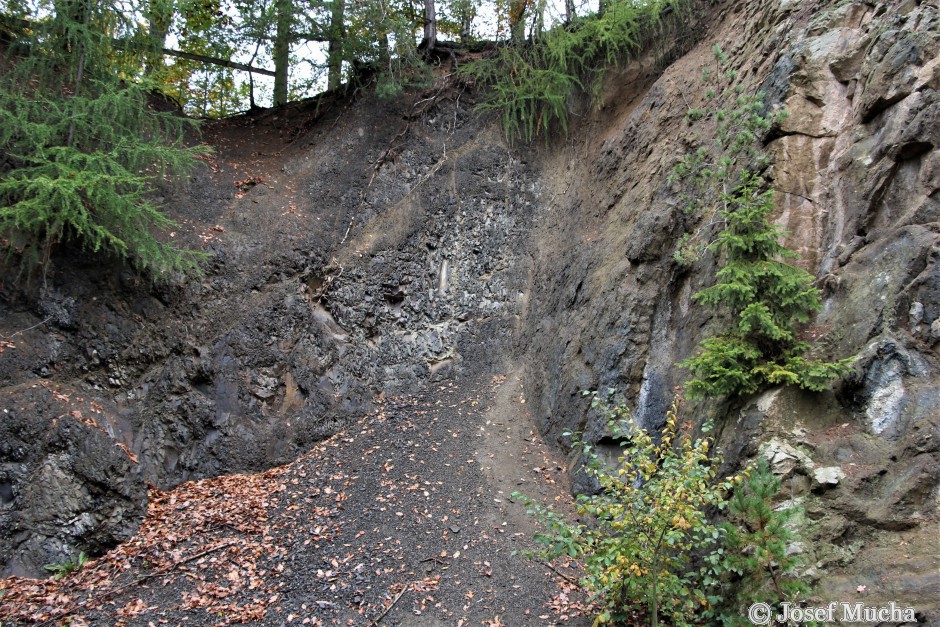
(517, 11)
(654, 594)
(335, 47)
(282, 51)
(160, 16)
(538, 20)
(385, 56)
(430, 25)
(466, 28)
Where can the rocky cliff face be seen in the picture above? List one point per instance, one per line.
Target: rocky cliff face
(855, 169)
(356, 250)
(371, 248)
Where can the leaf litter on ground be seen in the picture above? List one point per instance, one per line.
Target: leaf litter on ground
(393, 517)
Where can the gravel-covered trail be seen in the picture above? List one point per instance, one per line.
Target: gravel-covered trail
(403, 519)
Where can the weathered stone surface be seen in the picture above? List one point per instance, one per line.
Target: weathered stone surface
(66, 486)
(856, 177)
(828, 476)
(357, 271)
(904, 58)
(293, 330)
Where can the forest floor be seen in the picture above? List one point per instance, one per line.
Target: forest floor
(404, 519)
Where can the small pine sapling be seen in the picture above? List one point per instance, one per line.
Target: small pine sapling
(734, 121)
(755, 564)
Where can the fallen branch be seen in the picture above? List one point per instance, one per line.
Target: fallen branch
(390, 152)
(433, 559)
(191, 56)
(13, 335)
(560, 574)
(378, 619)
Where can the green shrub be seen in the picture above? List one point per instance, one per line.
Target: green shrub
(650, 536)
(66, 568)
(531, 85)
(530, 95)
(646, 523)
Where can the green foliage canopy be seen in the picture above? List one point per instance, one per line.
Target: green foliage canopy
(531, 85)
(85, 144)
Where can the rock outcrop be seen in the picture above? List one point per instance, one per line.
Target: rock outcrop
(355, 266)
(378, 247)
(65, 487)
(855, 171)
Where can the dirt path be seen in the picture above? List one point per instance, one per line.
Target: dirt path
(404, 519)
(514, 457)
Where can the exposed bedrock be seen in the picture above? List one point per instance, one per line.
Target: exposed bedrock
(856, 170)
(363, 260)
(338, 280)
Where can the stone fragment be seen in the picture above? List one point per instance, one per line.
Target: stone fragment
(828, 476)
(784, 459)
(265, 386)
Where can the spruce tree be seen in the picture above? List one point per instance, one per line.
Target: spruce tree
(85, 146)
(767, 297)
